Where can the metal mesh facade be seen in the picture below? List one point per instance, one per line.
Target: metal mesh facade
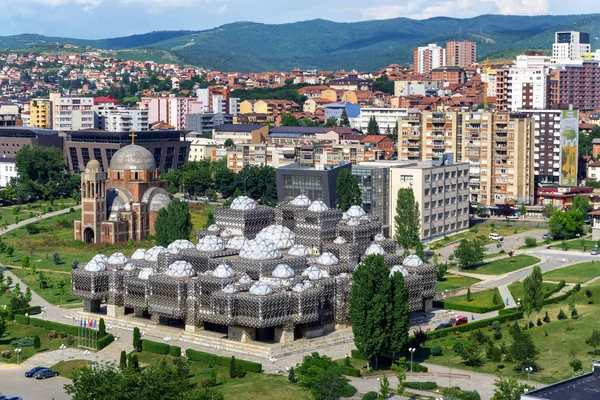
(233, 286)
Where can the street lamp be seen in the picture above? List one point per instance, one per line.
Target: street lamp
(85, 354)
(62, 351)
(411, 351)
(273, 360)
(529, 371)
(18, 351)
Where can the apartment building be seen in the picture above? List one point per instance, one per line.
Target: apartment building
(526, 84)
(10, 115)
(449, 75)
(171, 110)
(427, 58)
(201, 148)
(573, 85)
(570, 45)
(241, 133)
(260, 154)
(428, 88)
(461, 54)
(121, 119)
(386, 118)
(73, 113)
(205, 123)
(268, 107)
(8, 171)
(40, 113)
(352, 84)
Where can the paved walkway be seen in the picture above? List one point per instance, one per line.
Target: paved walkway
(12, 227)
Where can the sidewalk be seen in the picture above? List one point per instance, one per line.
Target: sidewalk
(12, 227)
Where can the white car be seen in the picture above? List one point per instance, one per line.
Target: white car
(495, 236)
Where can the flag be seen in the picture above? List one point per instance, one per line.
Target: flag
(90, 324)
(94, 326)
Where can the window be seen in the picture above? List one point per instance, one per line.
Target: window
(426, 205)
(426, 192)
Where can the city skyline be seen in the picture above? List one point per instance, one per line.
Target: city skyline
(93, 19)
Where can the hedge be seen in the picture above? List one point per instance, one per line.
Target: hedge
(421, 385)
(416, 367)
(54, 326)
(356, 354)
(212, 359)
(563, 296)
(350, 371)
(155, 347)
(104, 341)
(482, 323)
(21, 319)
(175, 351)
(448, 304)
(557, 289)
(29, 310)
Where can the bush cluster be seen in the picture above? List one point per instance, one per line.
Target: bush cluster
(175, 351)
(104, 341)
(50, 325)
(421, 385)
(350, 371)
(155, 347)
(23, 342)
(21, 319)
(448, 304)
(212, 359)
(564, 296)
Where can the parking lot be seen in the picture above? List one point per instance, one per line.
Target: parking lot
(14, 383)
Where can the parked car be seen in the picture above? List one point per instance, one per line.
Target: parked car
(459, 320)
(495, 236)
(45, 373)
(10, 398)
(594, 252)
(32, 371)
(443, 325)
(513, 217)
(546, 235)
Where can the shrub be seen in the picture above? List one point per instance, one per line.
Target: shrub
(448, 304)
(350, 371)
(29, 310)
(416, 367)
(104, 341)
(55, 326)
(21, 319)
(232, 368)
(420, 336)
(458, 348)
(6, 353)
(292, 376)
(32, 229)
(209, 378)
(496, 325)
(37, 343)
(137, 342)
(574, 314)
(421, 385)
(564, 296)
(436, 350)
(240, 371)
(530, 241)
(372, 395)
(561, 315)
(175, 351)
(493, 353)
(498, 335)
(546, 318)
(155, 347)
(212, 359)
(356, 354)
(23, 342)
(576, 365)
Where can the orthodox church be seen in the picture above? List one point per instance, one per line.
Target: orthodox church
(123, 203)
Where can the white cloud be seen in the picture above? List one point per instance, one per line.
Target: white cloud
(89, 5)
(222, 9)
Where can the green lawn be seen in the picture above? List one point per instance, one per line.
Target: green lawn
(577, 273)
(17, 331)
(199, 214)
(517, 291)
(482, 232)
(50, 293)
(67, 369)
(559, 342)
(451, 282)
(577, 244)
(505, 265)
(26, 211)
(479, 299)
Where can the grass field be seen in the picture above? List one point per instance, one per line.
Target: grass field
(577, 244)
(51, 293)
(559, 342)
(199, 215)
(17, 331)
(482, 232)
(479, 299)
(451, 282)
(505, 265)
(577, 273)
(517, 291)
(26, 211)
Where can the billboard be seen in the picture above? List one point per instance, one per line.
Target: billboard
(569, 150)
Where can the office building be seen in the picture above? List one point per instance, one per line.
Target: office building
(315, 183)
(73, 113)
(13, 139)
(573, 86)
(461, 54)
(205, 123)
(569, 46)
(121, 119)
(170, 152)
(241, 133)
(39, 113)
(427, 58)
(374, 182)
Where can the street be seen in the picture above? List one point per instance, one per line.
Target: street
(14, 383)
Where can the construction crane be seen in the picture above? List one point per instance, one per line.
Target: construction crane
(486, 71)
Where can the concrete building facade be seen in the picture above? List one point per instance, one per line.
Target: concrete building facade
(40, 113)
(122, 119)
(427, 58)
(570, 45)
(461, 54)
(73, 113)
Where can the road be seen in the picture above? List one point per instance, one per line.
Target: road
(14, 383)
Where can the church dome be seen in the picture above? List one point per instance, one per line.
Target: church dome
(133, 158)
(92, 165)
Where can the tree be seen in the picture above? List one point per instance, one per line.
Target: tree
(331, 122)
(232, 368)
(347, 190)
(123, 360)
(582, 203)
(56, 259)
(27, 295)
(510, 389)
(173, 223)
(420, 250)
(101, 328)
(229, 143)
(482, 211)
(211, 194)
(567, 224)
(288, 119)
(594, 340)
(322, 376)
(441, 270)
(10, 251)
(210, 219)
(344, 121)
(469, 296)
(547, 211)
(468, 253)
(407, 220)
(37, 343)
(523, 350)
(133, 362)
(137, 342)
(373, 127)
(472, 353)
(399, 367)
(384, 387)
(400, 323)
(522, 209)
(533, 300)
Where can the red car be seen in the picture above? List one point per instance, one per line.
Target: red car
(459, 320)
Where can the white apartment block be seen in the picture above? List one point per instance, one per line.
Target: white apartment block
(387, 118)
(171, 110)
(73, 113)
(122, 119)
(8, 170)
(234, 106)
(569, 46)
(429, 57)
(526, 83)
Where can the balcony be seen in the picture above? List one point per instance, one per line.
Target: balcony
(438, 120)
(414, 154)
(438, 146)
(441, 129)
(474, 182)
(413, 118)
(413, 145)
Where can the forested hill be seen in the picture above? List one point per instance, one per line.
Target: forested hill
(327, 45)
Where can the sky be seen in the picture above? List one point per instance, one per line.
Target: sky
(92, 19)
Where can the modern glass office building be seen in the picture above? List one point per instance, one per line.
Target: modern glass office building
(374, 182)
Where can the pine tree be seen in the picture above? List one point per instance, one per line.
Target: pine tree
(344, 121)
(469, 297)
(373, 127)
(347, 190)
(407, 220)
(173, 223)
(232, 368)
(137, 342)
(292, 375)
(123, 361)
(400, 325)
(101, 328)
(133, 362)
(37, 343)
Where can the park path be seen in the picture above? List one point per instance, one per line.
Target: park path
(12, 227)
